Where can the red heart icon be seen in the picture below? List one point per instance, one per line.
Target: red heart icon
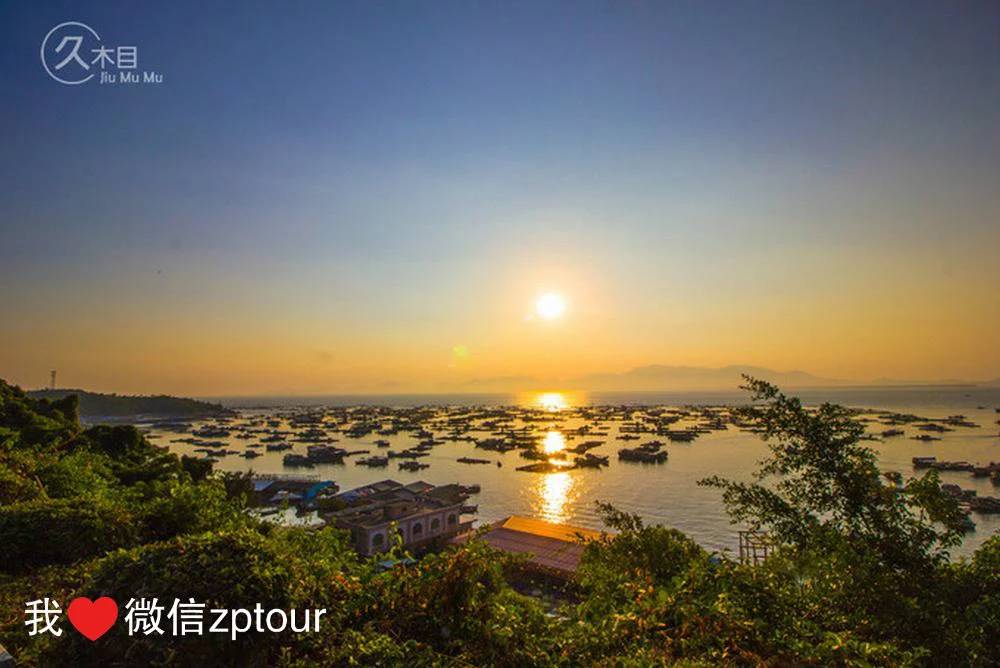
(92, 618)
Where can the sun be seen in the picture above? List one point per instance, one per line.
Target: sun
(550, 306)
(552, 401)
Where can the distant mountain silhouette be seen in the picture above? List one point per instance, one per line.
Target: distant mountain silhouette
(664, 377)
(655, 377)
(937, 382)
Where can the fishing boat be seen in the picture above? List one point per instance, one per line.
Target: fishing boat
(293, 460)
(374, 462)
(472, 460)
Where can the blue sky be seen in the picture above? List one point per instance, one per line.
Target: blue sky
(388, 160)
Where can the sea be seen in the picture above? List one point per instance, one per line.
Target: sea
(667, 493)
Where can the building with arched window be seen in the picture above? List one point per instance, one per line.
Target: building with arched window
(419, 513)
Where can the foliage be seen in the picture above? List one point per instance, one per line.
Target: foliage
(228, 570)
(197, 469)
(822, 485)
(15, 486)
(975, 600)
(651, 594)
(874, 554)
(237, 485)
(58, 531)
(170, 508)
(458, 603)
(861, 577)
(58, 582)
(78, 474)
(36, 422)
(69, 494)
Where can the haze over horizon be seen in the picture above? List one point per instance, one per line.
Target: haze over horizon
(364, 200)
(650, 378)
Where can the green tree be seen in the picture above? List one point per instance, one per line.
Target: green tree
(821, 483)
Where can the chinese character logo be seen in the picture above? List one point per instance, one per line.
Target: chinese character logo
(67, 51)
(73, 53)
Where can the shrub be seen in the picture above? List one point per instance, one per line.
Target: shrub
(459, 603)
(979, 621)
(228, 570)
(61, 531)
(39, 423)
(198, 469)
(170, 509)
(78, 474)
(16, 487)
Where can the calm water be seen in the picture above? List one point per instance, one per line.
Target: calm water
(661, 493)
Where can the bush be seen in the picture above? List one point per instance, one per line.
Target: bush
(170, 509)
(349, 647)
(459, 603)
(117, 442)
(229, 570)
(16, 487)
(980, 605)
(57, 582)
(38, 423)
(79, 474)
(659, 552)
(131, 458)
(61, 531)
(198, 469)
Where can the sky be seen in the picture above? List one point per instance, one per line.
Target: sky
(328, 197)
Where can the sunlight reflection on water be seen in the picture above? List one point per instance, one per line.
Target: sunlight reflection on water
(552, 401)
(553, 442)
(667, 493)
(553, 493)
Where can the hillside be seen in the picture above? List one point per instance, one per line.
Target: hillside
(95, 404)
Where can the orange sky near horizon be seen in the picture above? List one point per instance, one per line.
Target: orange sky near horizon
(357, 198)
(856, 317)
